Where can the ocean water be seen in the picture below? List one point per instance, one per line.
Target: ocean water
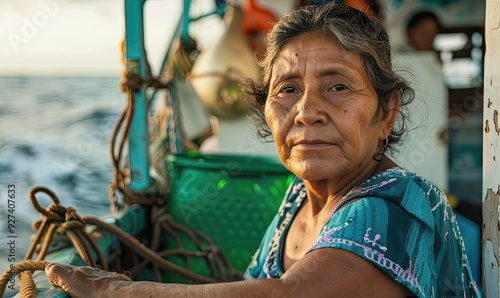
(54, 132)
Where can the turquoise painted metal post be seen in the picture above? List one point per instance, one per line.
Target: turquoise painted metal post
(140, 180)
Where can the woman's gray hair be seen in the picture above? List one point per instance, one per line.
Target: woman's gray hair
(356, 33)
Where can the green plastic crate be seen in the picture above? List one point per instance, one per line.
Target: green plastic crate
(230, 198)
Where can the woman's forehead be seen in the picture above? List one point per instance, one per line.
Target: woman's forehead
(314, 50)
(312, 40)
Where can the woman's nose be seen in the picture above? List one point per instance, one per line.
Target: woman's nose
(310, 112)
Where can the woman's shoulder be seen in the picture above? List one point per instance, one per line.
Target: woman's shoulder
(413, 193)
(396, 184)
(396, 173)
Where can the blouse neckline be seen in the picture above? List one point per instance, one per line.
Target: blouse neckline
(298, 202)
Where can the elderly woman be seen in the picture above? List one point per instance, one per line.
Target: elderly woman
(352, 224)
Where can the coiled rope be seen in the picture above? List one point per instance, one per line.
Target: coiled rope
(24, 271)
(67, 222)
(57, 218)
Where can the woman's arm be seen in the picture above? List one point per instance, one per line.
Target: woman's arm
(324, 272)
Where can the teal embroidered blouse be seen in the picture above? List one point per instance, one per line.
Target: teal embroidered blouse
(396, 220)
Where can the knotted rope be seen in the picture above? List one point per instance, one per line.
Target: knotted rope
(66, 221)
(24, 271)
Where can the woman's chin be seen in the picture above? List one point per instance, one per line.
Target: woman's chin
(311, 172)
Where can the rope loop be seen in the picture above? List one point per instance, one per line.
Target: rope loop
(55, 212)
(52, 211)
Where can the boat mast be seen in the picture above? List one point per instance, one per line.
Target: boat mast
(136, 64)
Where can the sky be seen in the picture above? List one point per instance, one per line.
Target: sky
(82, 37)
(47, 37)
(79, 37)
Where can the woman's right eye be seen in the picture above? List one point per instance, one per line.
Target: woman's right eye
(288, 89)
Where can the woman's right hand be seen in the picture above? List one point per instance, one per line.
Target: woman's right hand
(86, 281)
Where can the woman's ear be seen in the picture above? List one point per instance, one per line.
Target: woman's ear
(390, 115)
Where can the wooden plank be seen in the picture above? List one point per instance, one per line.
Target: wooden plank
(491, 152)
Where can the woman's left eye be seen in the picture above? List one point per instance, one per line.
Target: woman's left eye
(338, 87)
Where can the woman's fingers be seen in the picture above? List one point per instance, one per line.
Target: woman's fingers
(55, 272)
(82, 281)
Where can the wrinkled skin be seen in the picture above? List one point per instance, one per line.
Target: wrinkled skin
(83, 281)
(323, 111)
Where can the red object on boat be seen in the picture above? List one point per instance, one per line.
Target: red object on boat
(256, 22)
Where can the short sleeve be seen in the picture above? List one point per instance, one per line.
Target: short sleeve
(385, 234)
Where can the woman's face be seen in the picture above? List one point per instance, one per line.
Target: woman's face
(322, 109)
